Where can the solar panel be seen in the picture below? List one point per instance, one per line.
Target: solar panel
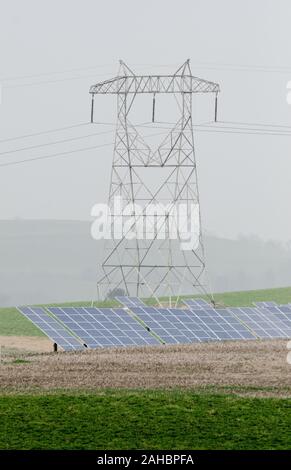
(194, 323)
(130, 301)
(282, 313)
(125, 327)
(265, 304)
(262, 322)
(104, 327)
(282, 308)
(51, 328)
(174, 326)
(191, 313)
(281, 317)
(279, 308)
(196, 303)
(223, 324)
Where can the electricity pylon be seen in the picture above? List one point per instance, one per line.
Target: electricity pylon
(154, 264)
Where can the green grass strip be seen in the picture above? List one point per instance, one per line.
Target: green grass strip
(144, 420)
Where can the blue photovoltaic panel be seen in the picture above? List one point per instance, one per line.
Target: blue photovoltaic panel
(191, 314)
(265, 304)
(283, 308)
(196, 303)
(187, 324)
(79, 325)
(282, 313)
(279, 309)
(195, 323)
(124, 327)
(173, 326)
(51, 328)
(223, 324)
(279, 316)
(104, 327)
(130, 301)
(262, 322)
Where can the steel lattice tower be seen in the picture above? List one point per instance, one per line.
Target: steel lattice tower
(142, 175)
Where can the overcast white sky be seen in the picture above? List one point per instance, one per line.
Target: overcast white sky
(244, 179)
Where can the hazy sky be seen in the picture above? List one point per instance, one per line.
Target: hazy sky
(244, 179)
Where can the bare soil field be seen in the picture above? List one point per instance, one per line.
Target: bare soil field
(25, 343)
(246, 367)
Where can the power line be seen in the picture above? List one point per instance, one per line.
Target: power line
(255, 124)
(35, 134)
(238, 124)
(243, 68)
(20, 85)
(204, 65)
(78, 69)
(212, 124)
(45, 74)
(54, 155)
(226, 67)
(54, 143)
(247, 129)
(247, 132)
(60, 154)
(225, 130)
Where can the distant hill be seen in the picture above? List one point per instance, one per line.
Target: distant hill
(57, 261)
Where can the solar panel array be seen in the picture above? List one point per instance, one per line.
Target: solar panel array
(74, 328)
(264, 324)
(265, 304)
(173, 326)
(282, 313)
(225, 325)
(196, 303)
(52, 328)
(130, 301)
(105, 327)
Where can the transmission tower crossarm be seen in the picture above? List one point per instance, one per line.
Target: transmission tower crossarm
(154, 84)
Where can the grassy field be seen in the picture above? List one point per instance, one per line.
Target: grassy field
(144, 420)
(13, 323)
(245, 298)
(36, 417)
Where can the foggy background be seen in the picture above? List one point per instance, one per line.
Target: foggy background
(50, 54)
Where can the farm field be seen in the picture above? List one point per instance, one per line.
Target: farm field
(218, 395)
(144, 420)
(12, 323)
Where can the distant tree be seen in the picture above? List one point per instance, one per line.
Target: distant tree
(115, 292)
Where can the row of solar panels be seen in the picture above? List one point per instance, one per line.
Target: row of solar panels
(75, 328)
